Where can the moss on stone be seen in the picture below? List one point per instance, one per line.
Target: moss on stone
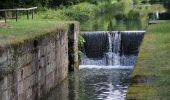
(153, 63)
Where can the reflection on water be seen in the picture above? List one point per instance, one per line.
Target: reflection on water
(103, 24)
(93, 84)
(136, 16)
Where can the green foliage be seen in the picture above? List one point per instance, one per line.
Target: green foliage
(126, 6)
(57, 14)
(81, 41)
(80, 12)
(41, 3)
(96, 15)
(117, 8)
(133, 14)
(119, 15)
(136, 2)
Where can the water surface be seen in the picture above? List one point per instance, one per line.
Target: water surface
(94, 83)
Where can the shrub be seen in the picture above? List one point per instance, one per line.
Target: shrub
(57, 14)
(80, 12)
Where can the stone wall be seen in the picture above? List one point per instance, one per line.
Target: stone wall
(31, 69)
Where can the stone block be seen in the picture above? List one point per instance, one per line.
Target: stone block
(41, 74)
(28, 82)
(50, 81)
(12, 79)
(4, 95)
(28, 94)
(20, 87)
(21, 96)
(12, 92)
(25, 72)
(3, 84)
(41, 87)
(3, 58)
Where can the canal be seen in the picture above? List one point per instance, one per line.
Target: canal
(108, 57)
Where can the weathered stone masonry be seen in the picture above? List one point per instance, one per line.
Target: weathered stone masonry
(29, 70)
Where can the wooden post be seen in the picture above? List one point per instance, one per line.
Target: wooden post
(5, 17)
(33, 14)
(27, 14)
(16, 15)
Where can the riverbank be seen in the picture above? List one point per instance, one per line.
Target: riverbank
(150, 77)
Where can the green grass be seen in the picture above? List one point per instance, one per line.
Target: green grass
(153, 62)
(25, 29)
(45, 20)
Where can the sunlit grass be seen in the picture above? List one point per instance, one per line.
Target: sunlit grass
(24, 29)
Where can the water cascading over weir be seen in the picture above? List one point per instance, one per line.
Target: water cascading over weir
(106, 64)
(114, 48)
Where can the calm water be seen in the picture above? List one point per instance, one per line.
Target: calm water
(91, 83)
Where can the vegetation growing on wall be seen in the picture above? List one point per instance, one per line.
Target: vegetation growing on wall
(152, 72)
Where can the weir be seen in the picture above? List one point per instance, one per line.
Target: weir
(114, 48)
(106, 64)
(108, 59)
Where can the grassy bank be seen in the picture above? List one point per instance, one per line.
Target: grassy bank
(15, 32)
(46, 20)
(151, 76)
